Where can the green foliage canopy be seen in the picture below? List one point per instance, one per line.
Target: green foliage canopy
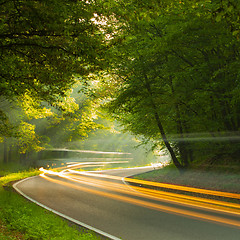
(44, 44)
(178, 64)
(45, 47)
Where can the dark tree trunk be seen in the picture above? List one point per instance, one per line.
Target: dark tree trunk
(190, 152)
(160, 127)
(40, 155)
(166, 142)
(181, 144)
(10, 153)
(5, 151)
(23, 158)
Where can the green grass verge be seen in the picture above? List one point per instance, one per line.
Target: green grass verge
(17, 176)
(21, 219)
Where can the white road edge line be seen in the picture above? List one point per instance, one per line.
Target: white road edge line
(62, 215)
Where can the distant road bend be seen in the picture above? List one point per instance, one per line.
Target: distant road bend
(105, 203)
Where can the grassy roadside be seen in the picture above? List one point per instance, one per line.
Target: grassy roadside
(21, 219)
(225, 180)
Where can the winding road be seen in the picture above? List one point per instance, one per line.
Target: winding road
(105, 203)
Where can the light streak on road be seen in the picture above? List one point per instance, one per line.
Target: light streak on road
(84, 164)
(77, 165)
(48, 171)
(85, 151)
(148, 204)
(146, 194)
(169, 186)
(156, 194)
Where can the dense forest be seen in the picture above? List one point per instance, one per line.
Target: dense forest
(168, 71)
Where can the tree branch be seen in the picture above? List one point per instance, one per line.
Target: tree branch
(183, 58)
(37, 45)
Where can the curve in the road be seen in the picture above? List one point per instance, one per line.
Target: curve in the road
(63, 215)
(103, 197)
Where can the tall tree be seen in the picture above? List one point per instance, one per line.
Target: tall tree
(44, 43)
(45, 46)
(177, 64)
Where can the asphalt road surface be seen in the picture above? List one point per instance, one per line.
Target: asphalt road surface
(105, 203)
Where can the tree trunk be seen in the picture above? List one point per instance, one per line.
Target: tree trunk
(10, 153)
(5, 151)
(181, 144)
(23, 158)
(188, 145)
(166, 142)
(160, 127)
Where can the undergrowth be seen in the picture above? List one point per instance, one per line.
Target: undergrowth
(35, 223)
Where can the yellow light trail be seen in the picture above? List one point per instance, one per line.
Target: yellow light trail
(165, 185)
(211, 204)
(74, 165)
(181, 199)
(147, 204)
(226, 207)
